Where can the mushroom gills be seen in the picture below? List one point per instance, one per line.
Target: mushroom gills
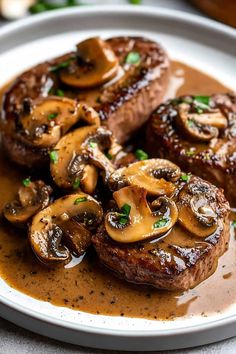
(71, 217)
(200, 126)
(197, 213)
(142, 223)
(30, 199)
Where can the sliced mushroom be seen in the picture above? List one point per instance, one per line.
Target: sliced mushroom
(155, 175)
(96, 64)
(80, 154)
(201, 126)
(52, 224)
(142, 223)
(29, 201)
(197, 209)
(49, 118)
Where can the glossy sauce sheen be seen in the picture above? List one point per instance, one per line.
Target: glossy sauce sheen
(88, 287)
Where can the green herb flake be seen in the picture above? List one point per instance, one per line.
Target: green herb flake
(135, 2)
(234, 223)
(26, 182)
(185, 177)
(189, 153)
(124, 215)
(205, 100)
(60, 93)
(52, 116)
(126, 209)
(133, 58)
(109, 156)
(62, 65)
(44, 5)
(80, 200)
(199, 110)
(93, 145)
(123, 220)
(76, 183)
(161, 223)
(53, 156)
(141, 155)
(191, 123)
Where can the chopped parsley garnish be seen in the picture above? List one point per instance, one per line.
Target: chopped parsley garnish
(80, 200)
(161, 223)
(191, 123)
(185, 177)
(189, 153)
(234, 223)
(60, 93)
(44, 5)
(141, 155)
(93, 145)
(199, 110)
(76, 183)
(53, 156)
(135, 2)
(126, 209)
(202, 100)
(201, 103)
(26, 182)
(109, 156)
(124, 215)
(123, 220)
(133, 58)
(62, 65)
(52, 116)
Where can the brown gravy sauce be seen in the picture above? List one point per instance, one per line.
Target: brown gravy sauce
(89, 287)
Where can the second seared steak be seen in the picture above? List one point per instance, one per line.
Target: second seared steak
(199, 134)
(183, 256)
(123, 104)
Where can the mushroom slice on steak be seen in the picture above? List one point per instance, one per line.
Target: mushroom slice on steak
(68, 220)
(155, 175)
(198, 209)
(202, 126)
(30, 199)
(96, 63)
(48, 119)
(136, 221)
(79, 156)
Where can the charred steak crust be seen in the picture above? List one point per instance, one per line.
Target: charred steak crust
(123, 106)
(214, 160)
(177, 261)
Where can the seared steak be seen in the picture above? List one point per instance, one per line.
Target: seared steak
(124, 103)
(179, 259)
(203, 141)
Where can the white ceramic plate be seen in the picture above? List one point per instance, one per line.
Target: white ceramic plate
(191, 39)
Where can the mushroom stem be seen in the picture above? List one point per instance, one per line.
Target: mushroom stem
(154, 175)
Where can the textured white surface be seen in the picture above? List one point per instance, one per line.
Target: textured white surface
(14, 339)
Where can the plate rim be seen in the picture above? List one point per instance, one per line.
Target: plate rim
(188, 19)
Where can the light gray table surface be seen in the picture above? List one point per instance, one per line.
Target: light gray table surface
(17, 340)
